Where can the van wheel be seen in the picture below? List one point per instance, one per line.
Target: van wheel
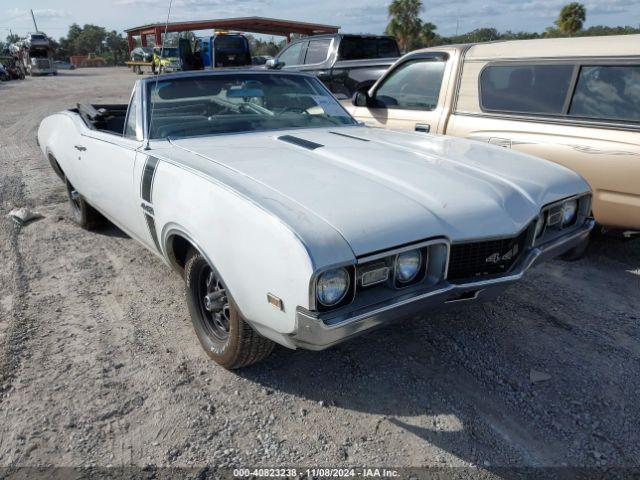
(82, 213)
(576, 253)
(222, 332)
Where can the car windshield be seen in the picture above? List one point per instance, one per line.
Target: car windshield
(168, 52)
(240, 102)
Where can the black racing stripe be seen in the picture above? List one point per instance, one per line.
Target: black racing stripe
(151, 224)
(147, 177)
(350, 136)
(301, 142)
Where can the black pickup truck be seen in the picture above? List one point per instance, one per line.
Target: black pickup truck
(344, 63)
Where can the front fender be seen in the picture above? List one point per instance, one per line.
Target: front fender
(253, 251)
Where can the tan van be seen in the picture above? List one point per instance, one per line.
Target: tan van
(573, 101)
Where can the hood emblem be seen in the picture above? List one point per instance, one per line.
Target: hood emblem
(497, 257)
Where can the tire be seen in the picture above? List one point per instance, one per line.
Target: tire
(578, 252)
(222, 332)
(82, 213)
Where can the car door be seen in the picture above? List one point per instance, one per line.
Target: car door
(412, 96)
(292, 56)
(108, 162)
(185, 54)
(315, 57)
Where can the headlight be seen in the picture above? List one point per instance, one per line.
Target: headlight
(539, 225)
(332, 286)
(569, 212)
(408, 265)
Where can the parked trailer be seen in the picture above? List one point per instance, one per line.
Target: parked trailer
(136, 67)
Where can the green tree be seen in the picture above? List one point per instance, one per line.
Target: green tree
(428, 35)
(12, 38)
(117, 46)
(571, 19)
(264, 47)
(90, 40)
(405, 23)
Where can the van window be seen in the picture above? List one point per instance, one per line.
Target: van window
(414, 85)
(291, 56)
(607, 92)
(539, 89)
(317, 51)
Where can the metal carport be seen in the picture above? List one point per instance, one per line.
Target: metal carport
(268, 26)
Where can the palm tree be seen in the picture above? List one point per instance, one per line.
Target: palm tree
(405, 23)
(428, 34)
(572, 17)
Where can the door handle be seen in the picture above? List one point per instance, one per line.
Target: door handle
(501, 142)
(80, 148)
(423, 127)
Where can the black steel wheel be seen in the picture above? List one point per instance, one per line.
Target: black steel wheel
(214, 304)
(220, 328)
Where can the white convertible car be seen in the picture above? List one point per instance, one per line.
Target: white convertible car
(292, 223)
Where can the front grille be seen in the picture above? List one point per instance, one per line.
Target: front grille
(479, 260)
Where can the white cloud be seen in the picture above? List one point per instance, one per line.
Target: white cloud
(40, 13)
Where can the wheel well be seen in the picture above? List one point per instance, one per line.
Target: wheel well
(56, 166)
(178, 250)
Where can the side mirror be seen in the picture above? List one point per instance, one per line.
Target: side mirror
(273, 64)
(361, 99)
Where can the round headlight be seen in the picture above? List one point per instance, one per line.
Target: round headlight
(569, 212)
(408, 265)
(332, 286)
(539, 226)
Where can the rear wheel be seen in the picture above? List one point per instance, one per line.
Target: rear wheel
(82, 213)
(222, 332)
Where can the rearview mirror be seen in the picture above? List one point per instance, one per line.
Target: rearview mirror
(273, 64)
(361, 98)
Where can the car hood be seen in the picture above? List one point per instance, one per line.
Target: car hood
(379, 189)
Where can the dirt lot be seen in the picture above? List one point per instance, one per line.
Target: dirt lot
(99, 364)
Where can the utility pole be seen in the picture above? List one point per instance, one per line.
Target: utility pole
(34, 21)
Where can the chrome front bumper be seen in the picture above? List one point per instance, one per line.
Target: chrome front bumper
(313, 333)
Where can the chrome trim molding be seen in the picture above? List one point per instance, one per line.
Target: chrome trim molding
(370, 258)
(313, 333)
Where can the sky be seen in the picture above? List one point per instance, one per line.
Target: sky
(353, 16)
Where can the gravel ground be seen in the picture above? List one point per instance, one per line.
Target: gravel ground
(99, 365)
